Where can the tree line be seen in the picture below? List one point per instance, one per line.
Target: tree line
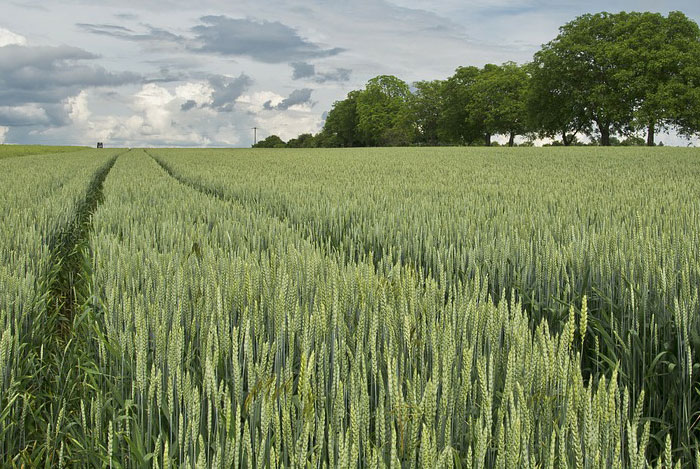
(605, 75)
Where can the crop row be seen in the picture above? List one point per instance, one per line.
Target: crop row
(41, 199)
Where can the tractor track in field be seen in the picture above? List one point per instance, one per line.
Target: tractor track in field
(331, 243)
(67, 252)
(328, 240)
(61, 366)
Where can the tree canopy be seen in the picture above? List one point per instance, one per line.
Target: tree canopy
(273, 141)
(617, 73)
(497, 101)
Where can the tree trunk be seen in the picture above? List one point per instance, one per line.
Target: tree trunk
(565, 139)
(650, 135)
(487, 140)
(604, 135)
(511, 140)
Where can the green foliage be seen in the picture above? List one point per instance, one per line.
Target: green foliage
(273, 141)
(661, 55)
(340, 128)
(378, 115)
(454, 125)
(43, 203)
(426, 105)
(584, 60)
(383, 113)
(622, 72)
(554, 107)
(496, 102)
(302, 141)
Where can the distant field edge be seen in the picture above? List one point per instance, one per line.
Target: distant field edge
(11, 151)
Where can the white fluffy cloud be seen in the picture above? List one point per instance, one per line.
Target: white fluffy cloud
(199, 92)
(8, 38)
(77, 107)
(152, 103)
(23, 115)
(153, 115)
(3, 132)
(297, 119)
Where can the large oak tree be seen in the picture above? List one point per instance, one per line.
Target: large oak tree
(497, 101)
(662, 66)
(619, 72)
(383, 113)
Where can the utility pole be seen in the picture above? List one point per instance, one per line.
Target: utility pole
(255, 135)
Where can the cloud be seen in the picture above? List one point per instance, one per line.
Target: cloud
(304, 70)
(197, 91)
(156, 38)
(7, 38)
(50, 74)
(126, 16)
(37, 6)
(296, 97)
(106, 29)
(218, 93)
(289, 124)
(228, 90)
(29, 114)
(189, 104)
(78, 109)
(339, 74)
(156, 117)
(15, 56)
(265, 41)
(35, 81)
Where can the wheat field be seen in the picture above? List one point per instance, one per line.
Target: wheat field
(405, 307)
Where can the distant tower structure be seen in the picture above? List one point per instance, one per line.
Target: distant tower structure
(100, 145)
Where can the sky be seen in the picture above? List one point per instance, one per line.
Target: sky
(183, 73)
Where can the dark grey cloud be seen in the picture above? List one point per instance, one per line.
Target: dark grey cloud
(30, 6)
(339, 74)
(151, 34)
(18, 56)
(104, 28)
(167, 75)
(227, 90)
(304, 70)
(34, 82)
(266, 41)
(189, 104)
(45, 74)
(126, 16)
(302, 96)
